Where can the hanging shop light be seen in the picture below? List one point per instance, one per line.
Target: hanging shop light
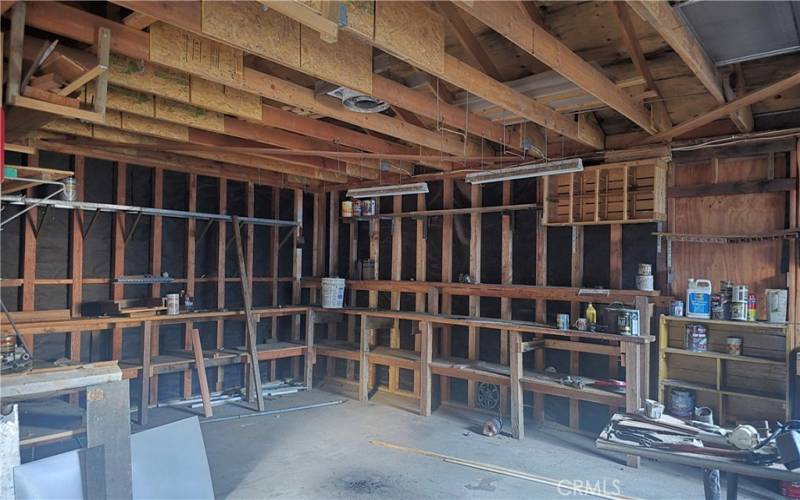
(525, 171)
(374, 192)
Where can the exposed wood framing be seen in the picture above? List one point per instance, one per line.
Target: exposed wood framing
(222, 245)
(28, 292)
(576, 279)
(274, 251)
(468, 40)
(118, 252)
(297, 270)
(76, 264)
(333, 266)
(507, 278)
(447, 277)
(396, 270)
(532, 38)
(156, 239)
(475, 247)
(190, 265)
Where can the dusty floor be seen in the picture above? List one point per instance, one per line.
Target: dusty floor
(327, 453)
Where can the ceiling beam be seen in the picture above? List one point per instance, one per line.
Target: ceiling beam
(77, 24)
(138, 21)
(468, 40)
(727, 109)
(658, 109)
(413, 14)
(324, 22)
(506, 20)
(663, 18)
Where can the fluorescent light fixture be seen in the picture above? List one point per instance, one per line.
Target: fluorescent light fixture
(525, 171)
(374, 192)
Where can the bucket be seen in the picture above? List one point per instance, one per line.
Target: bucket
(681, 403)
(698, 299)
(776, 305)
(173, 303)
(332, 293)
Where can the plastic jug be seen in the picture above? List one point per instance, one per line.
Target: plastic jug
(698, 298)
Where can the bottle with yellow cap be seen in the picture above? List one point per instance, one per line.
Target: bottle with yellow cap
(591, 315)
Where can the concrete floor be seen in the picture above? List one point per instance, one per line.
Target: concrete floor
(326, 453)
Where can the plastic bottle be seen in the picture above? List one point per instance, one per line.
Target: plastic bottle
(591, 314)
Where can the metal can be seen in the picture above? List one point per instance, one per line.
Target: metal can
(717, 306)
(739, 311)
(357, 208)
(347, 208)
(734, 345)
(676, 308)
(368, 207)
(740, 293)
(696, 337)
(751, 307)
(562, 321)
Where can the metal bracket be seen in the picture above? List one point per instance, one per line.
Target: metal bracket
(133, 227)
(41, 218)
(204, 231)
(85, 231)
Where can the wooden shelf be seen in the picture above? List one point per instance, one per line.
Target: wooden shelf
(729, 323)
(725, 356)
(710, 388)
(449, 211)
(786, 234)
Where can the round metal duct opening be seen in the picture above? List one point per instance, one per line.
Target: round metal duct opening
(361, 103)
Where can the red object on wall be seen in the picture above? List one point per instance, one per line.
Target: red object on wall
(2, 144)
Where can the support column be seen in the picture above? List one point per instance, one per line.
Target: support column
(363, 363)
(421, 276)
(574, 312)
(615, 278)
(297, 269)
(473, 339)
(507, 278)
(76, 265)
(118, 264)
(541, 280)
(191, 230)
(156, 238)
(333, 267)
(222, 243)
(397, 261)
(273, 259)
(447, 277)
(28, 291)
(426, 357)
(516, 369)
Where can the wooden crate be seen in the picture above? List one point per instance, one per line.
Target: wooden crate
(749, 387)
(626, 192)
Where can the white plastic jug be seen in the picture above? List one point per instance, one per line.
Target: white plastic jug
(698, 298)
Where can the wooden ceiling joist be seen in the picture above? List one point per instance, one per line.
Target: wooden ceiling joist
(506, 20)
(726, 109)
(138, 21)
(324, 22)
(468, 40)
(661, 16)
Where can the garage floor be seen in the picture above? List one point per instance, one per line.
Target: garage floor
(326, 453)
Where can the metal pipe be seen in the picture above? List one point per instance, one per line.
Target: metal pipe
(274, 412)
(162, 212)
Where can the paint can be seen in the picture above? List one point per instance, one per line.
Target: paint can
(698, 298)
(681, 402)
(347, 208)
(676, 308)
(740, 293)
(332, 293)
(628, 322)
(751, 307)
(776, 304)
(357, 208)
(368, 207)
(739, 311)
(734, 345)
(696, 337)
(562, 321)
(644, 283)
(173, 303)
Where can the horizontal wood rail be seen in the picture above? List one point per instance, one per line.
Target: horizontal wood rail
(564, 293)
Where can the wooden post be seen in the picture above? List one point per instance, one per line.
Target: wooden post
(363, 363)
(297, 269)
(156, 238)
(222, 244)
(76, 263)
(516, 369)
(426, 358)
(191, 230)
(250, 322)
(16, 42)
(273, 256)
(615, 278)
(541, 304)
(473, 339)
(632, 351)
(352, 257)
(28, 301)
(199, 363)
(420, 274)
(144, 400)
(575, 309)
(311, 355)
(397, 261)
(507, 278)
(447, 277)
(118, 264)
(374, 254)
(333, 267)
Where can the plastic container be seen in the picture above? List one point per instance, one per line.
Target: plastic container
(698, 299)
(332, 293)
(776, 305)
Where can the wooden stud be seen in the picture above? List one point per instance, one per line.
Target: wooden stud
(190, 264)
(420, 274)
(507, 278)
(374, 254)
(273, 256)
(144, 399)
(28, 292)
(297, 269)
(200, 364)
(118, 264)
(222, 242)
(447, 277)
(76, 259)
(577, 281)
(473, 335)
(352, 258)
(363, 364)
(396, 268)
(16, 42)
(615, 278)
(333, 266)
(156, 238)
(426, 357)
(310, 356)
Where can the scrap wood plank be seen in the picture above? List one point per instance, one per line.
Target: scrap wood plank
(200, 364)
(250, 324)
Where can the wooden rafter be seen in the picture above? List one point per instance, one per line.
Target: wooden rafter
(726, 109)
(468, 39)
(661, 16)
(658, 109)
(138, 21)
(325, 22)
(532, 38)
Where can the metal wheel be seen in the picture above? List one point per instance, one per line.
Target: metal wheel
(488, 396)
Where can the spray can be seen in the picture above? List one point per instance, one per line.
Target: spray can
(751, 307)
